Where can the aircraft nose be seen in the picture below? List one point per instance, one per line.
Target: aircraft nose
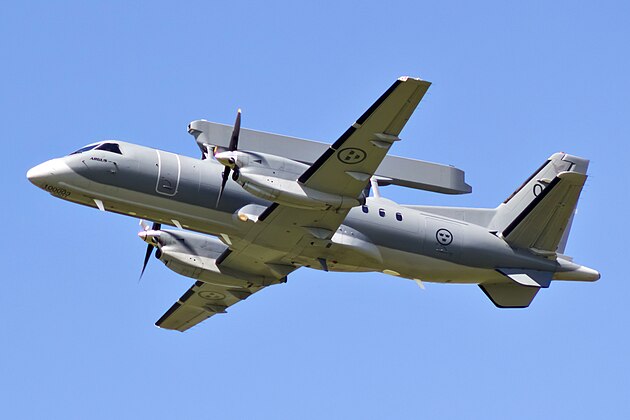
(41, 172)
(49, 172)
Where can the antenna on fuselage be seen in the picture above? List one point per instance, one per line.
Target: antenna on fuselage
(375, 191)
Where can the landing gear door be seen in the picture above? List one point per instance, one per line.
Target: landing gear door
(169, 170)
(444, 238)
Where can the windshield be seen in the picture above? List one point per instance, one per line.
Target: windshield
(107, 147)
(110, 147)
(84, 149)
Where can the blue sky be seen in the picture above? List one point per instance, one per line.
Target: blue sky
(513, 82)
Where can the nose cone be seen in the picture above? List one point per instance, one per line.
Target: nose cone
(50, 172)
(40, 173)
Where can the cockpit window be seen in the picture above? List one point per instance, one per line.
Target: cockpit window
(110, 147)
(84, 149)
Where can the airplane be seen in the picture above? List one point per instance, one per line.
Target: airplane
(248, 216)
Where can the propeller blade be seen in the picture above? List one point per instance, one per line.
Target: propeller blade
(235, 133)
(147, 255)
(226, 176)
(232, 147)
(146, 260)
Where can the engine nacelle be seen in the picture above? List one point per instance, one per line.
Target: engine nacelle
(292, 193)
(264, 163)
(274, 178)
(194, 255)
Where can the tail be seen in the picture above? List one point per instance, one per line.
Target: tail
(538, 215)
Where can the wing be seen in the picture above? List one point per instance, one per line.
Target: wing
(346, 166)
(283, 237)
(202, 301)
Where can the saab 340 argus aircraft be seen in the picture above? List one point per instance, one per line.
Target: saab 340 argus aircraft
(294, 203)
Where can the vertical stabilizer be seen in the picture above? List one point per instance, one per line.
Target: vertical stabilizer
(565, 236)
(539, 213)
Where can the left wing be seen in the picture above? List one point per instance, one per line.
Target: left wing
(202, 301)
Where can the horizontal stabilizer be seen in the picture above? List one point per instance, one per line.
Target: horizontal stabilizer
(509, 295)
(531, 278)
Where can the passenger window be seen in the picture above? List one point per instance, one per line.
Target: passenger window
(365, 209)
(381, 212)
(399, 217)
(110, 147)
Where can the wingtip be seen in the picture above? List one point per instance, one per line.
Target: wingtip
(405, 78)
(416, 79)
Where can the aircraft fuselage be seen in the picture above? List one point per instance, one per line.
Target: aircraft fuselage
(178, 190)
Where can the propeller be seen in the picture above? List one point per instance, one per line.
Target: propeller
(231, 148)
(143, 234)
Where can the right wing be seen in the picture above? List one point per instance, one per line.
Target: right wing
(347, 165)
(283, 235)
